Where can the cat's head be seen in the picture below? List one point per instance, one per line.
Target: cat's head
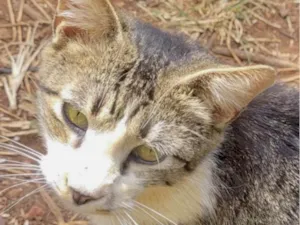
(126, 129)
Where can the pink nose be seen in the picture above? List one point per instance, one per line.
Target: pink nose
(81, 199)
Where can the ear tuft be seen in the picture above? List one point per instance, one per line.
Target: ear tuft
(86, 17)
(230, 89)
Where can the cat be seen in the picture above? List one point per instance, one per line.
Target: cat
(146, 127)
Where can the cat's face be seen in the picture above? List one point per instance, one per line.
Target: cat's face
(117, 139)
(111, 139)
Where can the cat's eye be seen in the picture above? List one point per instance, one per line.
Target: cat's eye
(146, 155)
(74, 117)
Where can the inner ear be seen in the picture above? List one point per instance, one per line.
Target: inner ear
(226, 90)
(86, 18)
(233, 89)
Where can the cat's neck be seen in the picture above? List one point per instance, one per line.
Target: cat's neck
(183, 203)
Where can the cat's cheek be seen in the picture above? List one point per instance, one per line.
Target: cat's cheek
(54, 167)
(54, 176)
(127, 188)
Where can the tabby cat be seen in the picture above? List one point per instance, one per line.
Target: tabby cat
(145, 127)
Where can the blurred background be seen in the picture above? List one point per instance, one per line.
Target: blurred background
(239, 32)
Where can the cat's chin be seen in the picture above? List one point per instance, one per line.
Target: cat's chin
(90, 211)
(86, 210)
(99, 219)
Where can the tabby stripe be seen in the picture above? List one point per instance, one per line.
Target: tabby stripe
(145, 129)
(99, 101)
(136, 109)
(113, 108)
(181, 159)
(47, 90)
(97, 106)
(187, 165)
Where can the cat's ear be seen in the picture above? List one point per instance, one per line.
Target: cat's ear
(86, 17)
(230, 89)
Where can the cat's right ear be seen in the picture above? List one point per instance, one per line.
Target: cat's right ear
(228, 90)
(86, 18)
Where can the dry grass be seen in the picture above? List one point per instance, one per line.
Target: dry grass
(226, 28)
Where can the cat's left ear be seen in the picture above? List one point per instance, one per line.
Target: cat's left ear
(228, 90)
(86, 18)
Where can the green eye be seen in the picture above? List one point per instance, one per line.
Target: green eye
(75, 117)
(146, 155)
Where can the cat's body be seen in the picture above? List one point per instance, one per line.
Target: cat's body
(139, 86)
(258, 162)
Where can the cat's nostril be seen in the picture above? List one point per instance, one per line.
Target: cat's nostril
(80, 199)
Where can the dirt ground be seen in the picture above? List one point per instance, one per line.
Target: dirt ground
(268, 30)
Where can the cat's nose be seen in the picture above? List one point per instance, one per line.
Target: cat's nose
(79, 198)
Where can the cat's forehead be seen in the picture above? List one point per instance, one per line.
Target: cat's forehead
(84, 64)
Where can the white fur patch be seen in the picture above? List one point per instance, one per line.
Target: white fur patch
(88, 168)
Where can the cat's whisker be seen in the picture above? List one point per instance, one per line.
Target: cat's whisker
(22, 183)
(122, 218)
(143, 210)
(21, 199)
(130, 217)
(112, 220)
(21, 145)
(118, 218)
(20, 151)
(137, 207)
(127, 206)
(18, 165)
(19, 168)
(19, 175)
(15, 178)
(154, 211)
(3, 161)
